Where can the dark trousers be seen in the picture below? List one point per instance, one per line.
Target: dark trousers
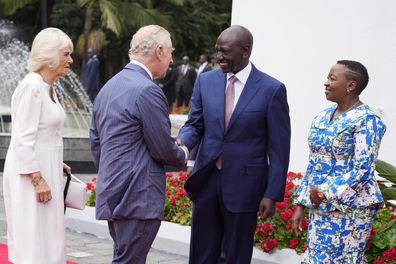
(183, 96)
(216, 230)
(132, 239)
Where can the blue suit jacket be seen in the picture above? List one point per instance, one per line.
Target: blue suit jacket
(131, 143)
(255, 147)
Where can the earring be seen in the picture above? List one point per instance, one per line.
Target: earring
(348, 91)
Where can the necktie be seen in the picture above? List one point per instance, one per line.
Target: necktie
(229, 105)
(229, 100)
(184, 69)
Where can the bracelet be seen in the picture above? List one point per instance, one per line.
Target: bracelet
(36, 181)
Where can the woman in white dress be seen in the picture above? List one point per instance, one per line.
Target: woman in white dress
(33, 181)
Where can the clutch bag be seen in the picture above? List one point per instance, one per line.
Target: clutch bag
(75, 193)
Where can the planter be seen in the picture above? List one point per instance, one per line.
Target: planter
(172, 238)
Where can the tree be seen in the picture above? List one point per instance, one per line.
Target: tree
(9, 7)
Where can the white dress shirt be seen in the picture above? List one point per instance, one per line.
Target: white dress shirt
(242, 76)
(143, 66)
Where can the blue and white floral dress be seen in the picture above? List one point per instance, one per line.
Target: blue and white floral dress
(343, 153)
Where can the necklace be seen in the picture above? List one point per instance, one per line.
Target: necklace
(338, 112)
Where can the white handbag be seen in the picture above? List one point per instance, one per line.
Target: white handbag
(75, 192)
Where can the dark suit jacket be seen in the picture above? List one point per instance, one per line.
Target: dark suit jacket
(169, 83)
(90, 76)
(131, 143)
(255, 147)
(186, 81)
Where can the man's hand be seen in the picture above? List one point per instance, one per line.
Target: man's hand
(266, 208)
(179, 142)
(189, 171)
(316, 197)
(297, 220)
(181, 145)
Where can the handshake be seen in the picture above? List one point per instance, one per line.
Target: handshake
(181, 145)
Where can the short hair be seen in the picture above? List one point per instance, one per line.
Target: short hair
(146, 39)
(45, 48)
(356, 71)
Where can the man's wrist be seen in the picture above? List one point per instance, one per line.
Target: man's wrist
(186, 153)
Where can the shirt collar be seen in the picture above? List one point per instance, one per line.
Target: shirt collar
(143, 66)
(243, 74)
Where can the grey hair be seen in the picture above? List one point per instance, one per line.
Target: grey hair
(146, 39)
(45, 48)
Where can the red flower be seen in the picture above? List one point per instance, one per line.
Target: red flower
(282, 205)
(269, 245)
(293, 243)
(286, 215)
(94, 179)
(390, 254)
(181, 192)
(90, 186)
(172, 201)
(291, 175)
(378, 260)
(305, 246)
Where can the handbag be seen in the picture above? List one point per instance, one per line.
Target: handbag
(75, 193)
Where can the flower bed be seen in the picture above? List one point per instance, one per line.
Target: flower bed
(275, 233)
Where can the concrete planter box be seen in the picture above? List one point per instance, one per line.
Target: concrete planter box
(172, 238)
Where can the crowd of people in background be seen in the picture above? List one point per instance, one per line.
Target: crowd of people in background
(178, 84)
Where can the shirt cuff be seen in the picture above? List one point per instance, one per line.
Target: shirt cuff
(190, 163)
(186, 153)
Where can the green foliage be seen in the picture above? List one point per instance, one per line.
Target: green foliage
(383, 235)
(178, 208)
(194, 24)
(276, 232)
(387, 171)
(68, 16)
(9, 7)
(91, 186)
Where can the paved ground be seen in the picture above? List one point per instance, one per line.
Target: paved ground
(88, 249)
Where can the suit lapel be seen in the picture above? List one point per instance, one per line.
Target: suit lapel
(247, 94)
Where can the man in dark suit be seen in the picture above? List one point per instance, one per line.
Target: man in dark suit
(90, 75)
(168, 86)
(185, 82)
(131, 143)
(242, 162)
(204, 65)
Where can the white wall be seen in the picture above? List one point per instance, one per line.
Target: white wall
(298, 41)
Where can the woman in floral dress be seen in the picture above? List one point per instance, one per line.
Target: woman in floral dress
(339, 186)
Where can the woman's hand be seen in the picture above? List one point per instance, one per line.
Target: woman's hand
(316, 197)
(66, 168)
(43, 192)
(297, 220)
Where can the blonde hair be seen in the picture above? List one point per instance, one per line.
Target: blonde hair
(146, 39)
(45, 48)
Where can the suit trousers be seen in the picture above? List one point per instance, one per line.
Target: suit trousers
(132, 239)
(216, 231)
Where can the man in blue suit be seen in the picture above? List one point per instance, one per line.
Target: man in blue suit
(131, 143)
(90, 75)
(242, 163)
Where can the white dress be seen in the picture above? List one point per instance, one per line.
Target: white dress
(36, 231)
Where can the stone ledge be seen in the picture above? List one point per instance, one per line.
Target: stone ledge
(172, 238)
